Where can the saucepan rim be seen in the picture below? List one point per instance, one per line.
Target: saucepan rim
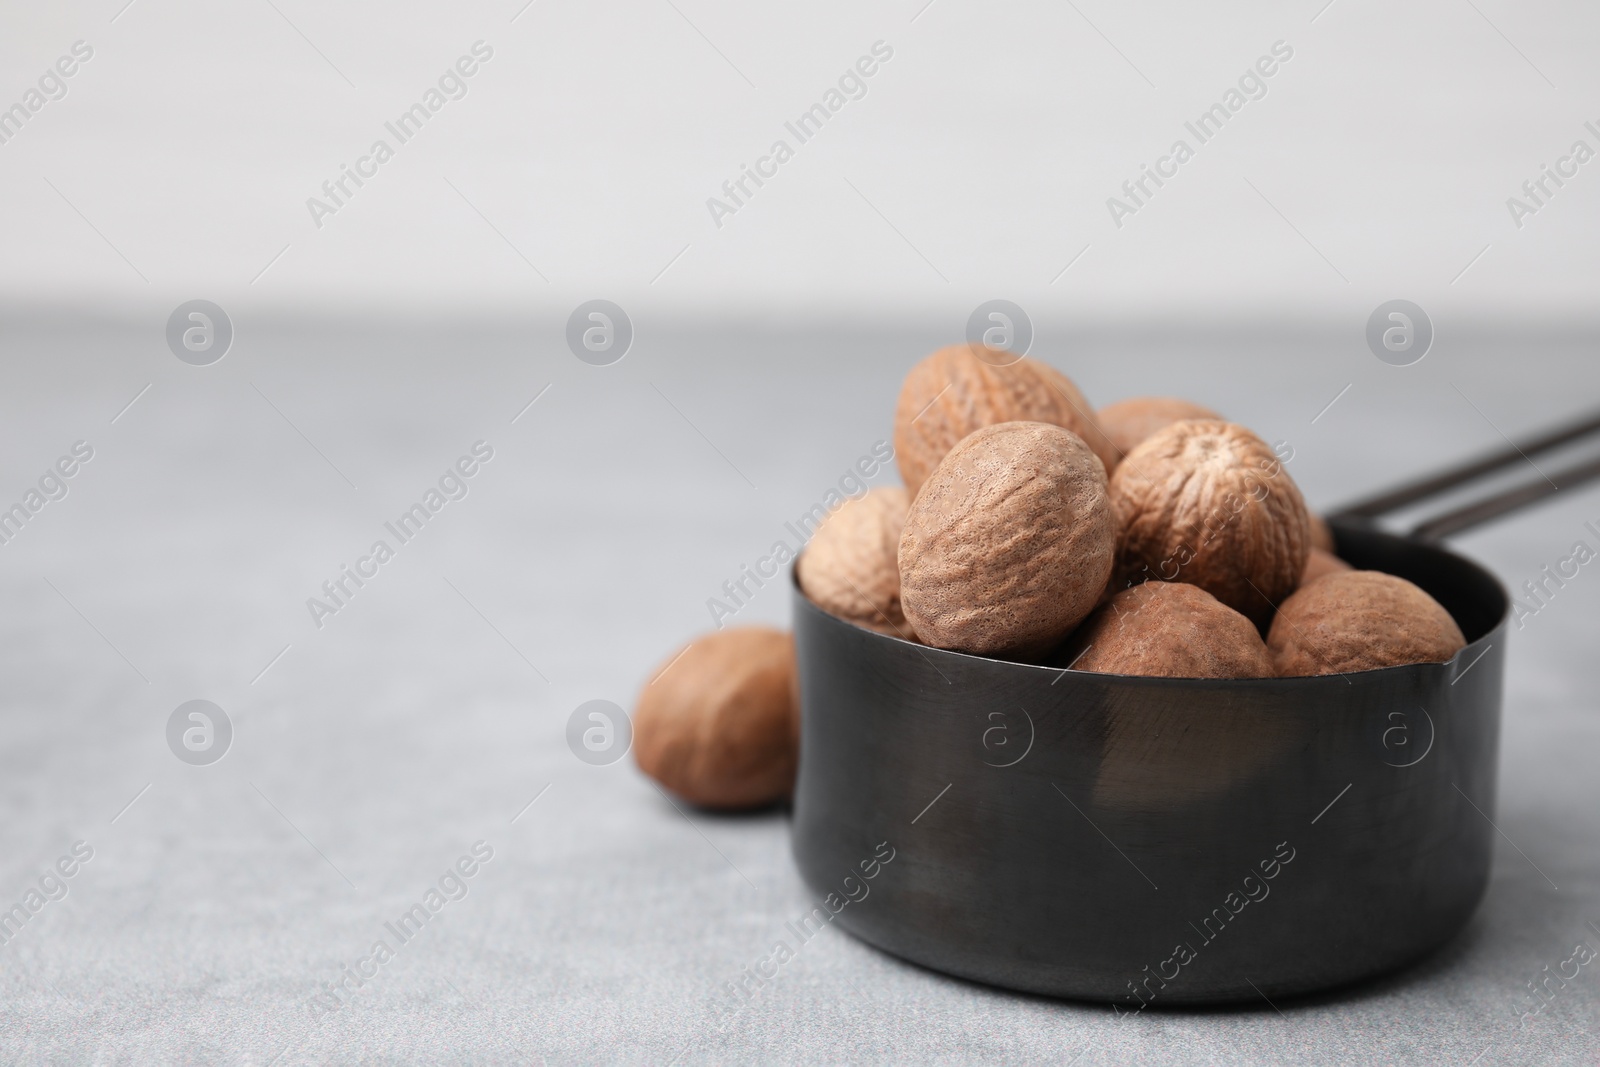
(1468, 653)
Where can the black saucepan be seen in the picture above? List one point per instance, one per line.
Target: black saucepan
(1154, 841)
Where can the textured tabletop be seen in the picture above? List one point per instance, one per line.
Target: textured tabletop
(410, 747)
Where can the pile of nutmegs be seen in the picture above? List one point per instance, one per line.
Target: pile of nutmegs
(1151, 537)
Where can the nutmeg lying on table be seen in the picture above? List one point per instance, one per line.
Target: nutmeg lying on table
(719, 723)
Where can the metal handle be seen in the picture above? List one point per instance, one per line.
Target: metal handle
(1507, 500)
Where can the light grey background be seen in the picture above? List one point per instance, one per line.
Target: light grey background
(370, 354)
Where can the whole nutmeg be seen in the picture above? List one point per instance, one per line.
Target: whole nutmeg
(966, 387)
(1320, 564)
(1129, 422)
(1010, 542)
(1360, 621)
(851, 568)
(719, 723)
(1208, 503)
(1169, 630)
(1321, 533)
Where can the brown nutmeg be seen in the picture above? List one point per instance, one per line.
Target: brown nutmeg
(851, 567)
(719, 723)
(1010, 542)
(1208, 503)
(1129, 422)
(1360, 621)
(1320, 564)
(966, 387)
(1169, 630)
(1321, 534)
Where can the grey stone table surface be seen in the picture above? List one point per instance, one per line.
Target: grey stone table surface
(374, 747)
